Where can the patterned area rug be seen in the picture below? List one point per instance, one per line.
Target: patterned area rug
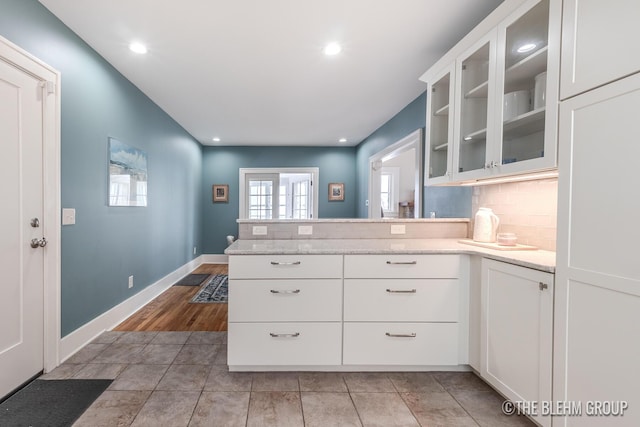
(216, 291)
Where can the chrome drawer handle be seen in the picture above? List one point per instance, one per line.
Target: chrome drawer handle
(412, 335)
(293, 291)
(285, 263)
(400, 291)
(402, 262)
(294, 335)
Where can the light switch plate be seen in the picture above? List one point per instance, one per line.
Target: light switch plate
(259, 230)
(306, 230)
(398, 229)
(68, 216)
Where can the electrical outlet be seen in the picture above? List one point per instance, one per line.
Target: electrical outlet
(366, 203)
(130, 282)
(305, 230)
(259, 230)
(195, 249)
(398, 229)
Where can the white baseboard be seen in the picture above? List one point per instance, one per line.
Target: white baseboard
(77, 339)
(214, 259)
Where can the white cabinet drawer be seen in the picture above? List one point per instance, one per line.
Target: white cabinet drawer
(284, 343)
(285, 300)
(371, 344)
(285, 266)
(401, 300)
(402, 266)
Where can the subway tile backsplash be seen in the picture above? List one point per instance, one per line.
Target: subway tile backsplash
(528, 209)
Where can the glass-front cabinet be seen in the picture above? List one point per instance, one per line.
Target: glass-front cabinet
(475, 72)
(440, 125)
(527, 126)
(503, 98)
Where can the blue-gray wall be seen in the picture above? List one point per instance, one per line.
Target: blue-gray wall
(221, 165)
(447, 202)
(108, 244)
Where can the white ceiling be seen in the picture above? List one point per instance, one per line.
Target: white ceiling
(252, 72)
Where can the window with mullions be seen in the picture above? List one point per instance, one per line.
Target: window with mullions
(284, 193)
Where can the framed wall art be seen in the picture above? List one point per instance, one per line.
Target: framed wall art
(336, 191)
(220, 193)
(127, 175)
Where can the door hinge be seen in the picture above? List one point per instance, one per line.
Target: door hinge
(543, 286)
(49, 86)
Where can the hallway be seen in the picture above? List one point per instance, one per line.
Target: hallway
(172, 310)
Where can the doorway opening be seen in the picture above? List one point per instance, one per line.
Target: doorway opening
(395, 179)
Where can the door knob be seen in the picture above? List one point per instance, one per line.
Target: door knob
(38, 243)
(35, 222)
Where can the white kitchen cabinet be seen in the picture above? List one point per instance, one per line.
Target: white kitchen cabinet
(403, 310)
(597, 309)
(475, 108)
(598, 43)
(490, 139)
(517, 332)
(285, 310)
(440, 125)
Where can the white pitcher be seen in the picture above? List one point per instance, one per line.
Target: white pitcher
(486, 226)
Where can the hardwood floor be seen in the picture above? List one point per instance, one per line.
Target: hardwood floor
(171, 311)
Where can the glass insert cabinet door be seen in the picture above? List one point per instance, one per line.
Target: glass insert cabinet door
(440, 125)
(524, 88)
(476, 69)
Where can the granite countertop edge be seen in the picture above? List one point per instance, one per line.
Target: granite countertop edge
(535, 259)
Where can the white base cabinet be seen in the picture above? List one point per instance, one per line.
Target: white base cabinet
(347, 312)
(517, 332)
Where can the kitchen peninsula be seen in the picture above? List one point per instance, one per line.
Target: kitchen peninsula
(404, 296)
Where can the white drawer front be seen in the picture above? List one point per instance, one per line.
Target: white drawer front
(402, 266)
(285, 266)
(285, 300)
(369, 344)
(294, 344)
(401, 300)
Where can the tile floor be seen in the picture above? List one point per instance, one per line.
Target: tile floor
(178, 379)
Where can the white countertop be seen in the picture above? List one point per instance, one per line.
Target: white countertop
(537, 259)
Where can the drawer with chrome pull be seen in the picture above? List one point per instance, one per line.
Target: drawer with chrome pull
(285, 300)
(401, 300)
(285, 266)
(410, 344)
(285, 344)
(407, 266)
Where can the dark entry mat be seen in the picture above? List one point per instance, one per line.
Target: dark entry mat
(192, 280)
(50, 403)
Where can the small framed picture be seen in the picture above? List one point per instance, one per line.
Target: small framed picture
(220, 193)
(336, 191)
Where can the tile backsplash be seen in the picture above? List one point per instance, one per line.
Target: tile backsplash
(528, 209)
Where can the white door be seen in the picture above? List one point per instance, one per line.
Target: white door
(21, 220)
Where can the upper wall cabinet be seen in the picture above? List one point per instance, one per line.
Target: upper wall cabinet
(601, 49)
(503, 97)
(440, 126)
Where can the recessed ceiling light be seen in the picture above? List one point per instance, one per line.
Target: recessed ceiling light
(216, 139)
(138, 48)
(467, 138)
(527, 47)
(342, 140)
(332, 49)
